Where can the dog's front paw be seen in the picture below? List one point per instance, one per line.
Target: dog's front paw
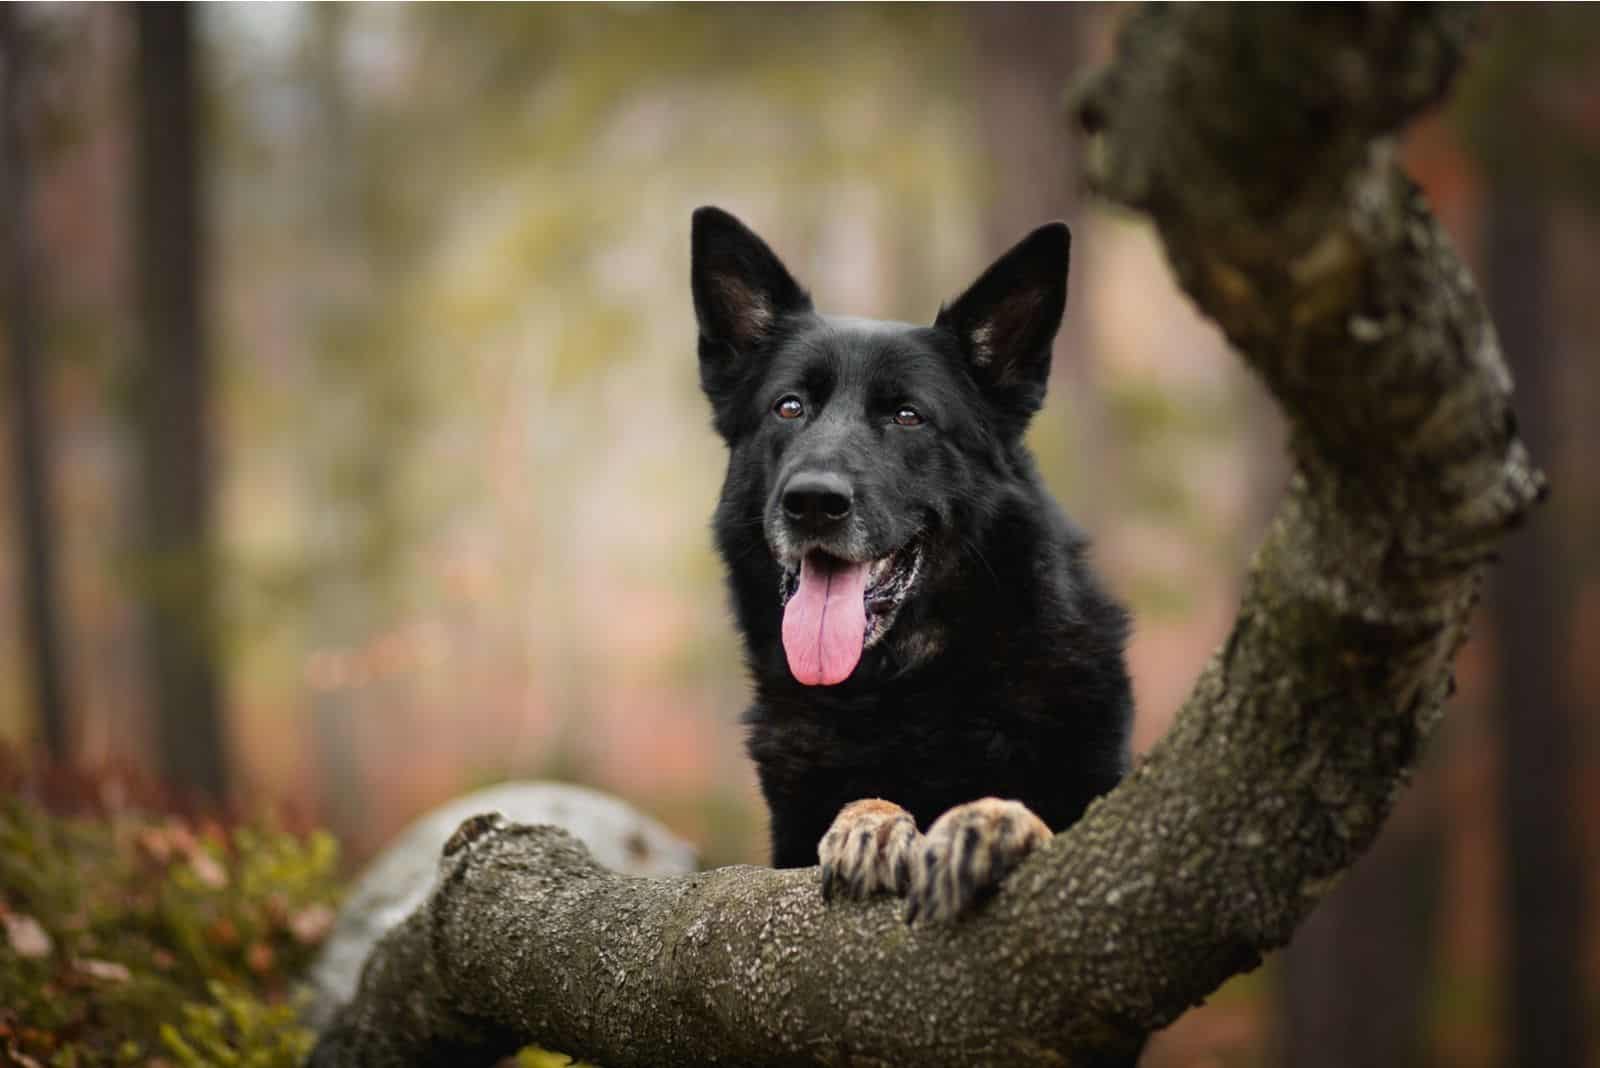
(867, 850)
(966, 853)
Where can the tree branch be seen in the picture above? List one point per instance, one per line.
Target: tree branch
(1257, 138)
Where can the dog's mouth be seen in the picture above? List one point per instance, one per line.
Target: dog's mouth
(835, 609)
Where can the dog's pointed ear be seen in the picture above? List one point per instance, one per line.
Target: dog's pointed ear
(1007, 319)
(741, 289)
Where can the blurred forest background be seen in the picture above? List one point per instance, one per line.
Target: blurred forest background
(355, 456)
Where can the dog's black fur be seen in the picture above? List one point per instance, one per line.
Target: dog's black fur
(999, 669)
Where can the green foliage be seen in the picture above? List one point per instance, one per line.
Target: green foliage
(236, 1028)
(132, 937)
(533, 1057)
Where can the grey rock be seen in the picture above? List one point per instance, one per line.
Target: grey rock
(398, 879)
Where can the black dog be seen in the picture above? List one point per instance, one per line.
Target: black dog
(921, 624)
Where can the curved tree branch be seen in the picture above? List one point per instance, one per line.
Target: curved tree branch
(1258, 139)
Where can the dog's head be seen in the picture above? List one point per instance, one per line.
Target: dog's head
(867, 457)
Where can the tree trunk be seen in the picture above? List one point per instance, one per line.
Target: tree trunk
(1258, 139)
(337, 615)
(29, 415)
(170, 396)
(1357, 971)
(1025, 56)
(1546, 897)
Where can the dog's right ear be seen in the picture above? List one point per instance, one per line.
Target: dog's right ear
(741, 289)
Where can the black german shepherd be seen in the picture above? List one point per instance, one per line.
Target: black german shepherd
(924, 632)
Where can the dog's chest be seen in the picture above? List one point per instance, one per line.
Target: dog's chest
(933, 747)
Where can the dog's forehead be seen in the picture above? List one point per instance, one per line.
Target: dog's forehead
(860, 348)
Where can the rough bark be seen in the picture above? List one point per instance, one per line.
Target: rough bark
(29, 407)
(1257, 138)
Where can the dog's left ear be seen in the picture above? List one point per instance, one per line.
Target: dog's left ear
(1007, 319)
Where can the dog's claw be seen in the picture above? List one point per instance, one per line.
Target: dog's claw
(873, 847)
(868, 850)
(966, 854)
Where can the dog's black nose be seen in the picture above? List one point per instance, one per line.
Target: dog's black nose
(815, 501)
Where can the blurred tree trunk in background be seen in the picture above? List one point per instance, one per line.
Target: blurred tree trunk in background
(170, 400)
(26, 389)
(1356, 974)
(366, 410)
(1546, 889)
(1027, 56)
(337, 611)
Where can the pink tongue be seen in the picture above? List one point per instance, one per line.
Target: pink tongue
(825, 621)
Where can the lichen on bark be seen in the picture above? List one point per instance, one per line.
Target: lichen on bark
(1257, 138)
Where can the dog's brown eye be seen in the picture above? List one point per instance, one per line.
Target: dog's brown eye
(789, 408)
(908, 416)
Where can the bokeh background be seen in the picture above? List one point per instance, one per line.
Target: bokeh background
(355, 456)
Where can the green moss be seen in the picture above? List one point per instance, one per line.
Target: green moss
(137, 938)
(132, 936)
(236, 1028)
(533, 1057)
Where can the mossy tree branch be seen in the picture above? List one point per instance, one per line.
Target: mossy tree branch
(1259, 141)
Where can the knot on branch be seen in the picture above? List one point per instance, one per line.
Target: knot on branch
(1267, 102)
(472, 828)
(490, 840)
